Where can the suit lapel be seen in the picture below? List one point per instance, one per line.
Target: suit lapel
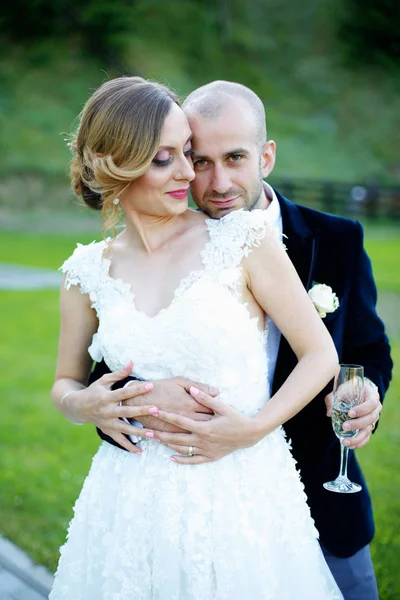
(302, 247)
(301, 242)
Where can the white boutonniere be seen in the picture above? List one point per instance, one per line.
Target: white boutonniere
(323, 298)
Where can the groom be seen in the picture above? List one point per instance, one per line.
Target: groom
(231, 156)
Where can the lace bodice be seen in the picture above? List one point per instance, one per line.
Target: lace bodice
(205, 334)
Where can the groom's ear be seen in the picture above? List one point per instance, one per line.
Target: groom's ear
(268, 157)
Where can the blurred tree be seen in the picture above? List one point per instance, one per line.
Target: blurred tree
(369, 31)
(101, 24)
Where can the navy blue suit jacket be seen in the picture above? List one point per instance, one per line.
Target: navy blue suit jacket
(329, 249)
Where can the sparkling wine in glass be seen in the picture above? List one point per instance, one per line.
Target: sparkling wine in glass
(347, 392)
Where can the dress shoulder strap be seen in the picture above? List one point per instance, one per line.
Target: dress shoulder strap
(85, 266)
(235, 235)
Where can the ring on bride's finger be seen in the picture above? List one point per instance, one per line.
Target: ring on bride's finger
(190, 451)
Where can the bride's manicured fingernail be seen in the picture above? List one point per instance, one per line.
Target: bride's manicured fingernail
(173, 459)
(148, 386)
(153, 410)
(194, 390)
(149, 434)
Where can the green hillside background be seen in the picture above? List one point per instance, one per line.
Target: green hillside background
(333, 110)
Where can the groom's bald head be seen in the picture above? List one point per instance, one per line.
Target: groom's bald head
(211, 100)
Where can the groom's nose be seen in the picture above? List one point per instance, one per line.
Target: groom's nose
(221, 181)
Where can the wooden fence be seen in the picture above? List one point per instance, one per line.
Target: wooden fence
(354, 200)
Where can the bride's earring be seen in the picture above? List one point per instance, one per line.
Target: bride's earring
(116, 201)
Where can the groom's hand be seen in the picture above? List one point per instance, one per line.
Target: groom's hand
(173, 395)
(364, 417)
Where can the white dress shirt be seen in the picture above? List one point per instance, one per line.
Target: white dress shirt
(274, 335)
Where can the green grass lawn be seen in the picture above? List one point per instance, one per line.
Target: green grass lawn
(44, 459)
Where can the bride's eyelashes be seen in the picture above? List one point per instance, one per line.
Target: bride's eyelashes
(162, 163)
(159, 161)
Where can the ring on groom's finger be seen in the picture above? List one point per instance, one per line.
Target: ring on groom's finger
(190, 451)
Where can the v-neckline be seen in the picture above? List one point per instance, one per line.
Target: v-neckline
(184, 284)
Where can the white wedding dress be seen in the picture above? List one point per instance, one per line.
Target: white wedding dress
(146, 528)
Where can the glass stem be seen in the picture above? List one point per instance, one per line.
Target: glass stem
(344, 455)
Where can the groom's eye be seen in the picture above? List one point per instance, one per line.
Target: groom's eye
(235, 157)
(200, 162)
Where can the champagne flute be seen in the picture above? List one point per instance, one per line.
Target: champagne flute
(347, 393)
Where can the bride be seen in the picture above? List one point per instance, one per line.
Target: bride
(176, 293)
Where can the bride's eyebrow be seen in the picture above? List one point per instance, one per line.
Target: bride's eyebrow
(174, 147)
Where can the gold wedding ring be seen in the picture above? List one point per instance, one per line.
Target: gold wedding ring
(190, 451)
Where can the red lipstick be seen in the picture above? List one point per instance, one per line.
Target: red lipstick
(179, 194)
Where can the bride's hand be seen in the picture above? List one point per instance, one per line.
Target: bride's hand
(209, 440)
(105, 408)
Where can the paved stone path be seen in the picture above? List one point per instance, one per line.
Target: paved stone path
(16, 277)
(20, 578)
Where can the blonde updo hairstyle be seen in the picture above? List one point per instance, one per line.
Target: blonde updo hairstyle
(118, 136)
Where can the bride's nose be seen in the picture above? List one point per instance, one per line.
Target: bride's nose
(185, 170)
